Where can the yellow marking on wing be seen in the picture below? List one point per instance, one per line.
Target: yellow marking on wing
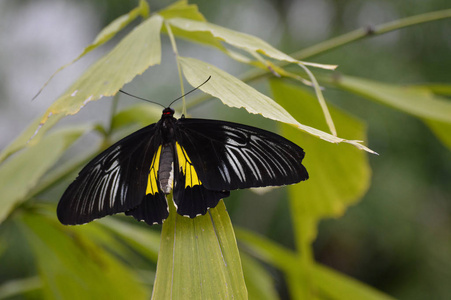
(191, 178)
(152, 184)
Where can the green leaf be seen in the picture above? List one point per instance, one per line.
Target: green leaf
(265, 249)
(17, 287)
(140, 49)
(73, 267)
(327, 283)
(436, 88)
(333, 285)
(143, 240)
(235, 93)
(259, 283)
(339, 177)
(199, 258)
(144, 114)
(249, 43)
(339, 174)
(181, 9)
(21, 173)
(442, 131)
(420, 102)
(24, 140)
(276, 255)
(106, 34)
(117, 25)
(235, 38)
(416, 101)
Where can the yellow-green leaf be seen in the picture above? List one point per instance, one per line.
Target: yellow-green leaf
(442, 130)
(436, 88)
(419, 102)
(143, 240)
(235, 93)
(240, 40)
(20, 173)
(18, 287)
(266, 250)
(339, 174)
(118, 24)
(143, 114)
(327, 283)
(259, 282)
(235, 38)
(181, 9)
(108, 33)
(333, 285)
(74, 267)
(24, 139)
(199, 258)
(140, 49)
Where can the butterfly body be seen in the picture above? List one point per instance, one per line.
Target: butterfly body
(200, 160)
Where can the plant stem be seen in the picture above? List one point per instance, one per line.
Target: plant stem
(113, 112)
(176, 53)
(342, 40)
(354, 36)
(368, 31)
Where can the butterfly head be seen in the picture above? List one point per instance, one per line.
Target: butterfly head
(167, 113)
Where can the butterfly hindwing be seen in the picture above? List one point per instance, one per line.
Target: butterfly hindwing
(114, 181)
(154, 207)
(190, 195)
(152, 210)
(230, 156)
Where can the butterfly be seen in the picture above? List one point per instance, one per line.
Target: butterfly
(201, 160)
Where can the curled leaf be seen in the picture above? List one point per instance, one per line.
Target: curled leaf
(235, 93)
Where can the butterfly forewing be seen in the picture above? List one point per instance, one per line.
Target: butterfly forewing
(114, 181)
(230, 156)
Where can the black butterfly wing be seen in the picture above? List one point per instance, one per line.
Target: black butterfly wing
(190, 196)
(229, 156)
(115, 181)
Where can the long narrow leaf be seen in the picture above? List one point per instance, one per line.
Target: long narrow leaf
(237, 39)
(132, 56)
(199, 258)
(260, 285)
(20, 174)
(18, 287)
(143, 240)
(329, 284)
(73, 267)
(333, 285)
(140, 49)
(235, 93)
(24, 140)
(106, 34)
(339, 175)
(418, 101)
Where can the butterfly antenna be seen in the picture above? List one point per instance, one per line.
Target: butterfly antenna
(196, 88)
(144, 99)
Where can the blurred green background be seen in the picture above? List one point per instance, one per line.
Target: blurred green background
(397, 239)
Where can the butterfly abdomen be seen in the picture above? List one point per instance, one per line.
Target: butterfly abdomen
(166, 169)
